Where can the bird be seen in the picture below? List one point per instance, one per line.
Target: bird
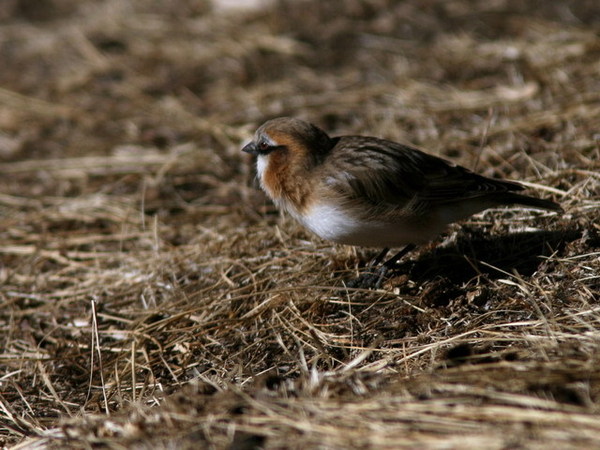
(371, 192)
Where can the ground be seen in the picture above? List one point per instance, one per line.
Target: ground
(152, 297)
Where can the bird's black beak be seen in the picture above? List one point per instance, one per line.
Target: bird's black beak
(251, 148)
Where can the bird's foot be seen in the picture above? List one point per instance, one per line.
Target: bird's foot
(371, 278)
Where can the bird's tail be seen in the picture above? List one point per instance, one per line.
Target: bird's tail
(518, 199)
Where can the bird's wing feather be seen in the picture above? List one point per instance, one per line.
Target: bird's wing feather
(390, 175)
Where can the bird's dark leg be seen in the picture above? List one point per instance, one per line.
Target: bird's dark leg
(377, 260)
(390, 263)
(373, 276)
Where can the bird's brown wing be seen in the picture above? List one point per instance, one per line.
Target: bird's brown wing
(389, 176)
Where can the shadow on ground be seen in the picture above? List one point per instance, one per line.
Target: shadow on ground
(494, 257)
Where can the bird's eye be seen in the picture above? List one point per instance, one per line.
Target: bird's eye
(263, 146)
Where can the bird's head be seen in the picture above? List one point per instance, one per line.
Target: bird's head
(292, 137)
(287, 150)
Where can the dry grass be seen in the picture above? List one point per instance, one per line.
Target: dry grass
(152, 297)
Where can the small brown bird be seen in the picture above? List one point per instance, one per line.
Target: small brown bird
(371, 192)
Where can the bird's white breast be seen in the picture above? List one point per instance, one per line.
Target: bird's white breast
(344, 226)
(328, 222)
